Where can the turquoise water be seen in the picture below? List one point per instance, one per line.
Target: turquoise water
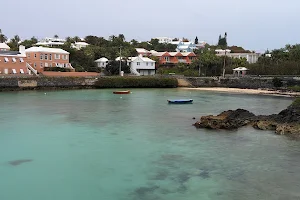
(91, 144)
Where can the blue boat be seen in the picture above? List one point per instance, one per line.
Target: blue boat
(180, 101)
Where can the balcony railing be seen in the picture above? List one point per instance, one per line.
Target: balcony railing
(181, 60)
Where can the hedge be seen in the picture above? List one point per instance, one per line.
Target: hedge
(57, 69)
(136, 82)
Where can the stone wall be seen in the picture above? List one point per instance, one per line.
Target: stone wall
(249, 83)
(23, 83)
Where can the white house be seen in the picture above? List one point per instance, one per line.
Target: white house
(4, 47)
(142, 66)
(50, 42)
(186, 47)
(79, 45)
(101, 62)
(166, 40)
(250, 57)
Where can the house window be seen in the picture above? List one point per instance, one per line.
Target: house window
(41, 56)
(151, 64)
(50, 56)
(65, 57)
(41, 64)
(46, 64)
(167, 59)
(146, 64)
(35, 55)
(56, 56)
(28, 55)
(5, 59)
(138, 63)
(34, 65)
(14, 60)
(21, 60)
(46, 56)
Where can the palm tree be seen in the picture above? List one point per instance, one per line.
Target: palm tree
(122, 37)
(15, 40)
(34, 40)
(3, 38)
(69, 39)
(77, 39)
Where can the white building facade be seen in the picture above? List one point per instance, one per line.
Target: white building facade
(79, 45)
(50, 42)
(142, 66)
(166, 40)
(101, 62)
(250, 57)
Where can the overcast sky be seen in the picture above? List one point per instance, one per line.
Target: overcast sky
(254, 24)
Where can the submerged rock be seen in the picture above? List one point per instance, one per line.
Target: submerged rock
(19, 162)
(143, 191)
(287, 122)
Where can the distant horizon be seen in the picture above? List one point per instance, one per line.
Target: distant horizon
(256, 25)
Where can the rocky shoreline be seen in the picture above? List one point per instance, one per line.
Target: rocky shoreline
(287, 122)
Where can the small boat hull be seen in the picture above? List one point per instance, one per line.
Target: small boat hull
(180, 101)
(122, 92)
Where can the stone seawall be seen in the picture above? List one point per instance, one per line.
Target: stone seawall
(24, 83)
(244, 83)
(29, 83)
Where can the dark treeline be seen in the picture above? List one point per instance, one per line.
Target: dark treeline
(284, 61)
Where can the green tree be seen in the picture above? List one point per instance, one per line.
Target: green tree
(77, 39)
(113, 68)
(196, 40)
(14, 43)
(3, 38)
(208, 64)
(223, 41)
(29, 43)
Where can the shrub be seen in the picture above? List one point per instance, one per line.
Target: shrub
(295, 88)
(136, 82)
(57, 69)
(296, 102)
(277, 82)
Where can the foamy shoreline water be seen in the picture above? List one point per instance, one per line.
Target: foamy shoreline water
(247, 91)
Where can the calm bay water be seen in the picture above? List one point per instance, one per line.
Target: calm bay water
(91, 144)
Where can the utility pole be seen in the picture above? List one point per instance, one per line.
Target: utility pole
(224, 63)
(120, 63)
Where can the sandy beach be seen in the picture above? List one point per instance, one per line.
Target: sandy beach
(247, 91)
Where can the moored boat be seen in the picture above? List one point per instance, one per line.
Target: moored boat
(122, 92)
(180, 101)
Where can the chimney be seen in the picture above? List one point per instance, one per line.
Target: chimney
(22, 50)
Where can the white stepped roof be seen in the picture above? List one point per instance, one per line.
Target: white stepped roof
(81, 43)
(46, 50)
(102, 60)
(145, 59)
(240, 69)
(142, 50)
(4, 46)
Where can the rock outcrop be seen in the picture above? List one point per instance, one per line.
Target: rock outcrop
(287, 122)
